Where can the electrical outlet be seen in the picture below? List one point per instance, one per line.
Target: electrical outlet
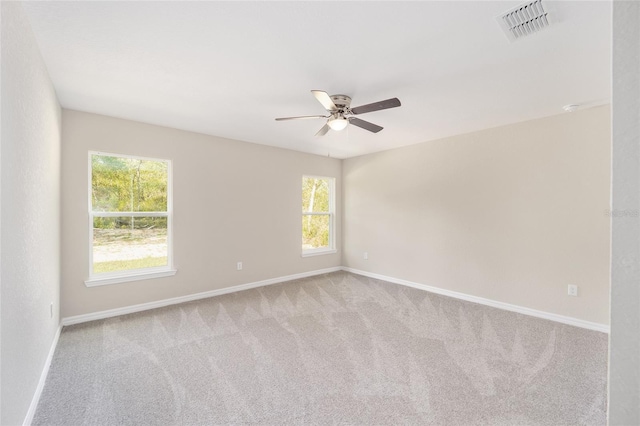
(365, 256)
(572, 290)
(239, 266)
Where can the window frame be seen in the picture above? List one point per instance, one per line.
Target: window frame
(117, 277)
(331, 213)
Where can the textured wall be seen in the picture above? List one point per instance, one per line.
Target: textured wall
(233, 201)
(30, 214)
(624, 346)
(513, 214)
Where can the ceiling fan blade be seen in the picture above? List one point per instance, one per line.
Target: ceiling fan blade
(323, 131)
(325, 100)
(365, 125)
(377, 106)
(302, 117)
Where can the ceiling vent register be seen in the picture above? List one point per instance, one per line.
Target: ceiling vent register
(524, 20)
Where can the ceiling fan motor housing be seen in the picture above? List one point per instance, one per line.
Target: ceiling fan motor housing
(343, 102)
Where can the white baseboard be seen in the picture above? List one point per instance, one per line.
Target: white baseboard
(43, 377)
(457, 295)
(77, 319)
(488, 302)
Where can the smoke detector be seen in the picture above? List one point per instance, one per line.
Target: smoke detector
(524, 20)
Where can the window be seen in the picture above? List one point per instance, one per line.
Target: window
(318, 211)
(129, 218)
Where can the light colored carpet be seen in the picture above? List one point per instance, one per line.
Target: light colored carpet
(333, 349)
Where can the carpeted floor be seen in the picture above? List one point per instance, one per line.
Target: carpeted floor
(333, 349)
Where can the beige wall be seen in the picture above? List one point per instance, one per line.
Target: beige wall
(513, 214)
(30, 215)
(233, 201)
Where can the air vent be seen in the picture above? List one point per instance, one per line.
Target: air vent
(524, 20)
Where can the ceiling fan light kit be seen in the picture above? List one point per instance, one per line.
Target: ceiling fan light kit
(337, 123)
(341, 114)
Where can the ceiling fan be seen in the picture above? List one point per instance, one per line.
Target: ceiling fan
(341, 113)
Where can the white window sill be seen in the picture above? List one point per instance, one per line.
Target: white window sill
(318, 252)
(117, 279)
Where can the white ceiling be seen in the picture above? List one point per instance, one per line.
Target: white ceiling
(229, 68)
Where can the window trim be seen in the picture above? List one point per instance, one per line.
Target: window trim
(331, 213)
(131, 274)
